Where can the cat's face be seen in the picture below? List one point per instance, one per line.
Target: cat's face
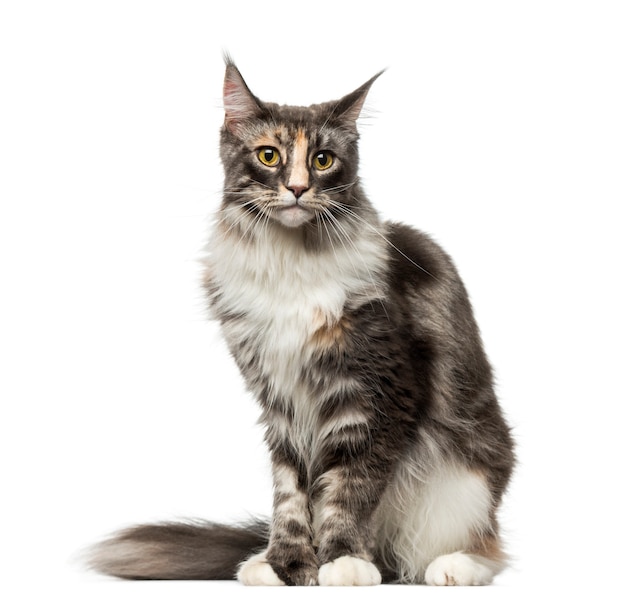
(295, 166)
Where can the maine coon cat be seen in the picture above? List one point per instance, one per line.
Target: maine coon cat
(389, 451)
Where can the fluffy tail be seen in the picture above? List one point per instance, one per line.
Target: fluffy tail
(179, 551)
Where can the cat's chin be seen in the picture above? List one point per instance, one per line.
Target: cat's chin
(293, 216)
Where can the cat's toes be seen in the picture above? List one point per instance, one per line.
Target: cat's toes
(348, 570)
(297, 574)
(294, 566)
(257, 571)
(458, 569)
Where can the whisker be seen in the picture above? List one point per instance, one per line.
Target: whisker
(330, 239)
(256, 222)
(246, 207)
(231, 225)
(265, 186)
(246, 191)
(337, 226)
(342, 208)
(337, 189)
(318, 229)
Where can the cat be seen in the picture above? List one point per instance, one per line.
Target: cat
(390, 454)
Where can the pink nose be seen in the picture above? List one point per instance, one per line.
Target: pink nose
(298, 190)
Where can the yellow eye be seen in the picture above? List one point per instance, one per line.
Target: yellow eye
(269, 156)
(323, 161)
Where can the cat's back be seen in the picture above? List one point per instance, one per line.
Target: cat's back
(424, 283)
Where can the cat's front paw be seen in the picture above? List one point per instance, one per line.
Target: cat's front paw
(294, 569)
(349, 571)
(257, 571)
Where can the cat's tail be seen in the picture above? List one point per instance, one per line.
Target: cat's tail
(195, 550)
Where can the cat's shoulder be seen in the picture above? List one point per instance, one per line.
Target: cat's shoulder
(415, 258)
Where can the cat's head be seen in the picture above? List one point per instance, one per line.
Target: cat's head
(293, 166)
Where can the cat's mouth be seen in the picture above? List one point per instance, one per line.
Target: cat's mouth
(293, 215)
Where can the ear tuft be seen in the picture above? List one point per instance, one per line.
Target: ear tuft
(348, 108)
(240, 105)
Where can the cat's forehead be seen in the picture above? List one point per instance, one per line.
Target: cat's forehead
(285, 135)
(287, 126)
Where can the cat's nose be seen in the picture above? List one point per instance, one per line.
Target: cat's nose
(298, 191)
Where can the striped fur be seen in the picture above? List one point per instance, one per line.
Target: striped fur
(390, 454)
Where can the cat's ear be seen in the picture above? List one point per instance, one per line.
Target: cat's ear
(240, 105)
(348, 108)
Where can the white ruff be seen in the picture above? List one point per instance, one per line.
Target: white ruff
(285, 294)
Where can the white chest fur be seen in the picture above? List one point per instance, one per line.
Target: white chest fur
(281, 293)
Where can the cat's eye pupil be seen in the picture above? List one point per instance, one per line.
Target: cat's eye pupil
(269, 156)
(323, 160)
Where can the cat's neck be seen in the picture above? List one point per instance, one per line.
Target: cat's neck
(282, 261)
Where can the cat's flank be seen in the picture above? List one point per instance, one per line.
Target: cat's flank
(389, 451)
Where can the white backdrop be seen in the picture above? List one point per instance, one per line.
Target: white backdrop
(499, 128)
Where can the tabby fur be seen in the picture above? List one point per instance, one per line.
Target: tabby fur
(390, 454)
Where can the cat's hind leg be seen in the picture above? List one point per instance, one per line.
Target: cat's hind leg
(440, 528)
(461, 569)
(476, 566)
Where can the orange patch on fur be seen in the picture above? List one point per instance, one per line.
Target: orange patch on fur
(299, 176)
(489, 547)
(265, 141)
(301, 142)
(329, 333)
(274, 138)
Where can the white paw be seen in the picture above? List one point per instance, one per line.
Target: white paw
(458, 569)
(349, 570)
(257, 571)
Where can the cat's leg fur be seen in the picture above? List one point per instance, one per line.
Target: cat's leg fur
(350, 475)
(290, 558)
(343, 537)
(345, 498)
